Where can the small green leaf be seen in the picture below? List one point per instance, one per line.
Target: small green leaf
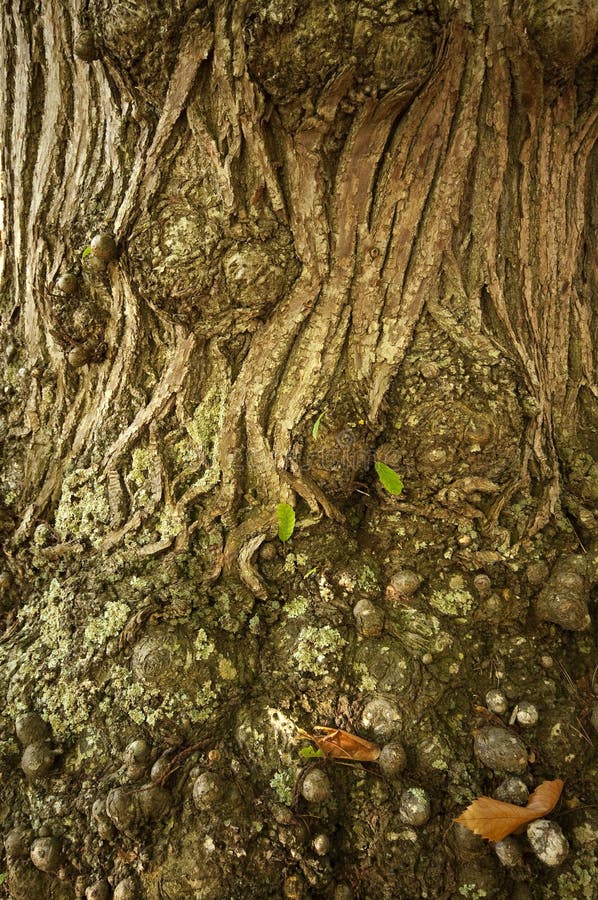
(86, 253)
(316, 428)
(389, 478)
(310, 753)
(286, 521)
(2, 877)
(311, 572)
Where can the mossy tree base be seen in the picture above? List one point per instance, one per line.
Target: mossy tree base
(380, 216)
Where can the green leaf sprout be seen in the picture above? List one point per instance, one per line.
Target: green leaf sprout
(389, 478)
(286, 521)
(316, 428)
(310, 752)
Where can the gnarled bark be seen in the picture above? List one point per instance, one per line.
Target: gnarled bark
(377, 215)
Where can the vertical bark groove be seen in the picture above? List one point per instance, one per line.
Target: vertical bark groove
(415, 217)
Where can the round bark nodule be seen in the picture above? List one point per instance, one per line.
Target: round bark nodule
(31, 728)
(527, 714)
(37, 760)
(85, 47)
(414, 807)
(316, 786)
(126, 889)
(512, 790)
(564, 598)
(17, 842)
(381, 718)
(509, 852)
(392, 759)
(103, 247)
(548, 842)
(369, 618)
(497, 702)
(321, 844)
(100, 890)
(46, 854)
(500, 750)
(68, 283)
(208, 789)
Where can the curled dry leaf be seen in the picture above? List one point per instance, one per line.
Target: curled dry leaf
(494, 820)
(340, 744)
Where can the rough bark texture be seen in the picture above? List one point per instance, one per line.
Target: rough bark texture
(381, 216)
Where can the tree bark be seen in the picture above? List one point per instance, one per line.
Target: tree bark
(377, 216)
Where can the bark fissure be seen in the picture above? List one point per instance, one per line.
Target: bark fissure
(373, 228)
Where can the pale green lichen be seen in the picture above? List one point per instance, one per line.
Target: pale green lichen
(366, 578)
(143, 704)
(108, 624)
(316, 649)
(326, 592)
(366, 681)
(204, 430)
(83, 509)
(68, 706)
(435, 754)
(226, 670)
(296, 608)
(170, 522)
(203, 646)
(579, 881)
(52, 674)
(140, 466)
(282, 784)
(55, 642)
(472, 892)
(452, 602)
(8, 748)
(293, 561)
(186, 453)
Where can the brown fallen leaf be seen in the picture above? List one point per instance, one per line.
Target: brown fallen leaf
(340, 744)
(494, 820)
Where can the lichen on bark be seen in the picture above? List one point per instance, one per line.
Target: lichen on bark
(376, 215)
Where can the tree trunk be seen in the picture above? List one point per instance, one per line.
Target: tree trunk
(334, 235)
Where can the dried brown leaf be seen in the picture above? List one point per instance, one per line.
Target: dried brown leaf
(545, 797)
(340, 744)
(494, 820)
